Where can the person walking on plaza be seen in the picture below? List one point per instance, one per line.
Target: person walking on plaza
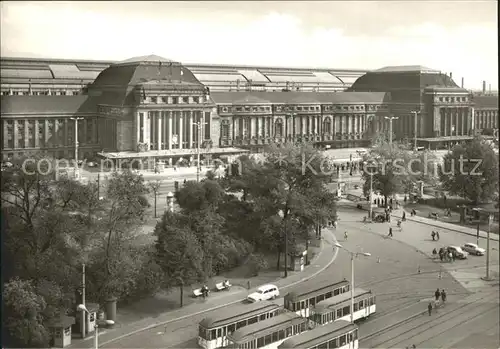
(450, 257)
(443, 296)
(437, 294)
(437, 235)
(429, 308)
(390, 232)
(345, 236)
(433, 235)
(403, 218)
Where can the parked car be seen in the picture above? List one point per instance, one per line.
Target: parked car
(473, 249)
(263, 293)
(457, 252)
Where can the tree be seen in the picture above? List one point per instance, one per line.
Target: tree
(178, 252)
(388, 163)
(155, 188)
(471, 170)
(23, 315)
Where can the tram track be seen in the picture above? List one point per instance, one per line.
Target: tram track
(457, 310)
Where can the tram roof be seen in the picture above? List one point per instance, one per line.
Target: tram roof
(263, 328)
(341, 298)
(318, 335)
(237, 312)
(309, 289)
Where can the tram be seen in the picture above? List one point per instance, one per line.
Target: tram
(337, 335)
(268, 334)
(307, 295)
(213, 332)
(339, 307)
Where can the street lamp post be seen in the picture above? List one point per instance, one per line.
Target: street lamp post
(390, 118)
(353, 255)
(76, 144)
(366, 165)
(198, 125)
(490, 219)
(284, 215)
(83, 309)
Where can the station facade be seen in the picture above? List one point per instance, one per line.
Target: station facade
(154, 107)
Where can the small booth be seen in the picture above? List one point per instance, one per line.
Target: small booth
(91, 316)
(60, 331)
(299, 261)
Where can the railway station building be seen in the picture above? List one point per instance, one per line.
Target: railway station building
(152, 107)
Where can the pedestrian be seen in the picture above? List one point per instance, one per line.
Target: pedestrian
(405, 199)
(390, 202)
(437, 235)
(437, 294)
(248, 284)
(345, 236)
(403, 218)
(453, 256)
(390, 232)
(443, 296)
(433, 234)
(413, 346)
(429, 308)
(450, 256)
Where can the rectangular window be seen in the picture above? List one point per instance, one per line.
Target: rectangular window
(207, 125)
(202, 333)
(320, 298)
(345, 311)
(339, 313)
(336, 292)
(360, 305)
(342, 340)
(312, 302)
(219, 332)
(281, 334)
(241, 324)
(355, 335)
(323, 345)
(253, 320)
(288, 332)
(263, 317)
(268, 340)
(196, 99)
(355, 306)
(175, 100)
(231, 328)
(275, 337)
(328, 295)
(302, 305)
(185, 99)
(260, 342)
(332, 344)
(213, 334)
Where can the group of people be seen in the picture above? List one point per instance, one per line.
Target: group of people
(444, 255)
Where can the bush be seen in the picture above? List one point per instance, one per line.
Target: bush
(143, 201)
(256, 262)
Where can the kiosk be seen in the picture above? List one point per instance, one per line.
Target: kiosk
(60, 331)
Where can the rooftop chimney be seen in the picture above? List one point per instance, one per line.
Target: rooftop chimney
(451, 75)
(462, 82)
(484, 87)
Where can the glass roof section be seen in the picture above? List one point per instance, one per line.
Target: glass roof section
(220, 77)
(26, 73)
(253, 74)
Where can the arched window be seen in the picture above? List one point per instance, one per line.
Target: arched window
(327, 124)
(278, 128)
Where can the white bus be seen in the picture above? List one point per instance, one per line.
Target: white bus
(213, 331)
(339, 307)
(268, 334)
(337, 335)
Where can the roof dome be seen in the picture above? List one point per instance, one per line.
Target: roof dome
(145, 59)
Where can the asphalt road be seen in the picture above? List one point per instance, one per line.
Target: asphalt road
(391, 273)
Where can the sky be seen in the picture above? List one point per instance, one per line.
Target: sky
(451, 36)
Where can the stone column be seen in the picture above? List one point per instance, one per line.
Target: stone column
(170, 131)
(5, 134)
(144, 127)
(45, 133)
(137, 128)
(190, 128)
(36, 135)
(15, 135)
(445, 117)
(159, 130)
(181, 138)
(26, 134)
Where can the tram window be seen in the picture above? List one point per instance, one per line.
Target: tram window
(339, 313)
(332, 344)
(202, 332)
(336, 292)
(219, 332)
(260, 342)
(241, 324)
(345, 311)
(355, 306)
(230, 328)
(302, 305)
(320, 298)
(224, 331)
(271, 315)
(213, 334)
(303, 327)
(275, 337)
(253, 320)
(323, 320)
(323, 345)
(333, 315)
(328, 295)
(350, 337)
(312, 302)
(361, 305)
(268, 340)
(252, 344)
(342, 340)
(355, 336)
(263, 317)
(288, 332)
(281, 334)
